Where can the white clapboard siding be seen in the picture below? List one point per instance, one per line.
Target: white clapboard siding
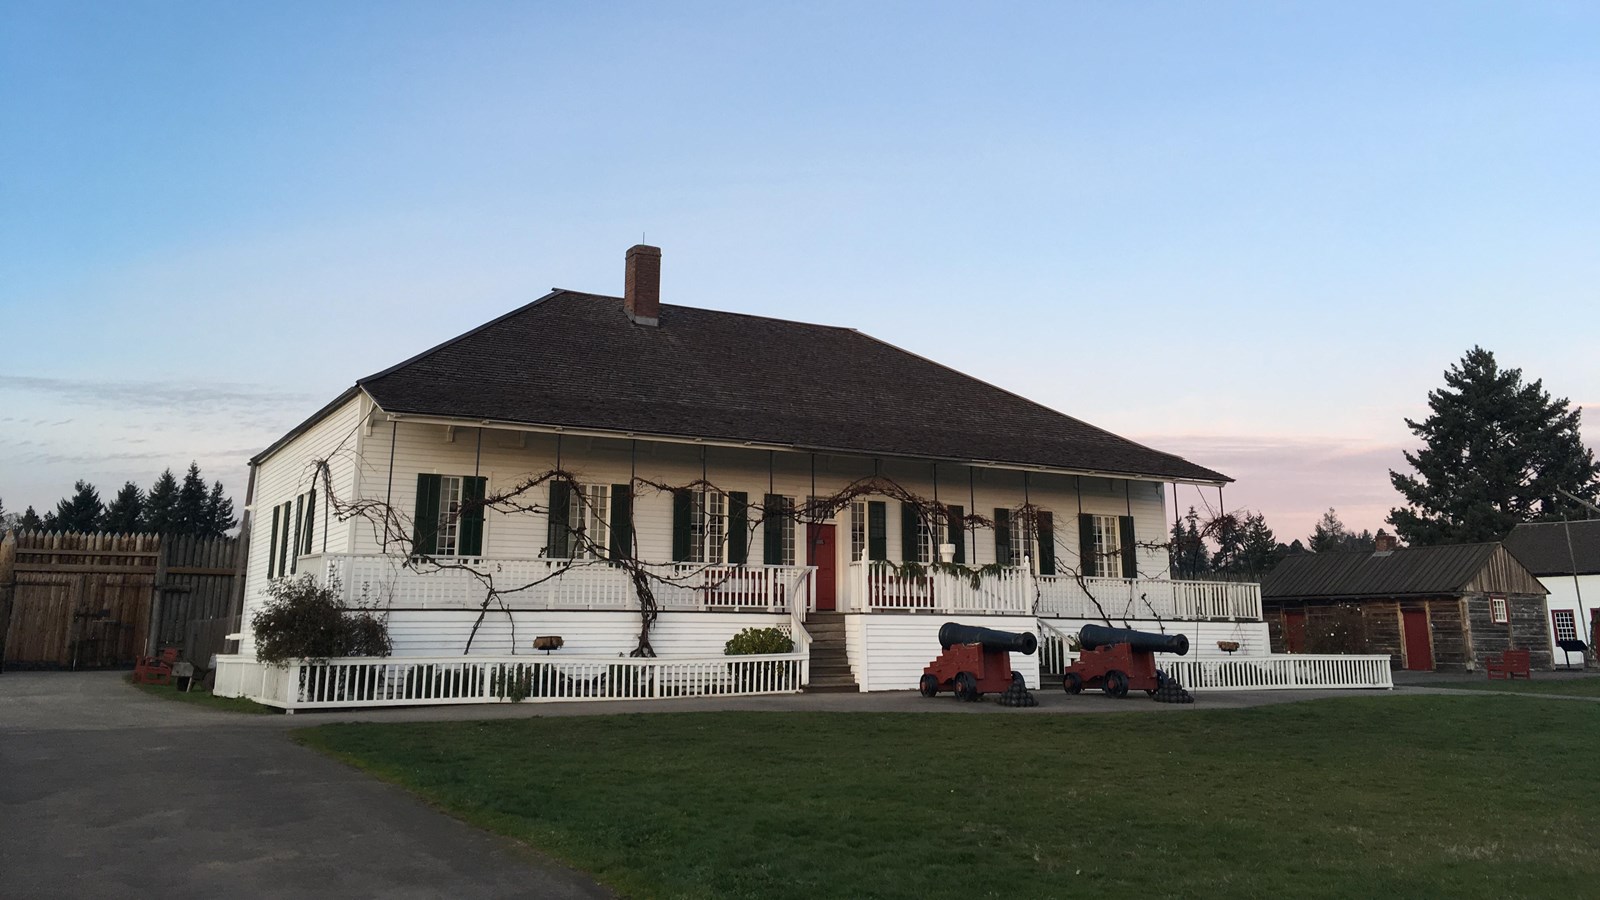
(894, 649)
(445, 632)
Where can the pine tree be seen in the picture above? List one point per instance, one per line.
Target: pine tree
(1259, 550)
(125, 513)
(161, 505)
(219, 512)
(1188, 551)
(1495, 452)
(80, 512)
(30, 520)
(1228, 532)
(191, 509)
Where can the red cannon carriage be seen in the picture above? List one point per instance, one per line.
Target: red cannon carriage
(1118, 660)
(975, 661)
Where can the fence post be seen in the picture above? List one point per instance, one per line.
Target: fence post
(8, 588)
(157, 585)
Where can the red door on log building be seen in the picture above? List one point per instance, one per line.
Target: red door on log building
(820, 553)
(1294, 630)
(1419, 651)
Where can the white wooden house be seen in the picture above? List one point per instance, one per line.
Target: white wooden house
(1565, 557)
(626, 393)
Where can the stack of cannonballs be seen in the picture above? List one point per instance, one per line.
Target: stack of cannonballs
(1171, 691)
(1017, 695)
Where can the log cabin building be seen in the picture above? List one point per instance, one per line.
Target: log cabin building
(1441, 608)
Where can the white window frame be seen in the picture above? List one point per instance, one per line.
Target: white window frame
(708, 527)
(447, 537)
(925, 540)
(1108, 546)
(858, 530)
(1571, 625)
(589, 509)
(786, 530)
(1499, 611)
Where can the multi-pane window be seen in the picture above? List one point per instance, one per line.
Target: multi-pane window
(589, 511)
(708, 526)
(1565, 623)
(448, 536)
(1497, 610)
(1022, 540)
(858, 530)
(925, 540)
(786, 531)
(1107, 547)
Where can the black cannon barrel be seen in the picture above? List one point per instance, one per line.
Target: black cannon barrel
(1092, 636)
(953, 633)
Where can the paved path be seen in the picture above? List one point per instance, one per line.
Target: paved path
(106, 792)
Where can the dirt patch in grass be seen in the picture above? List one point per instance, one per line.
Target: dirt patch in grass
(1395, 796)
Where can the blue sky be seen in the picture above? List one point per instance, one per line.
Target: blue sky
(1253, 234)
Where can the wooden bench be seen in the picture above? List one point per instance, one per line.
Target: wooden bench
(1509, 664)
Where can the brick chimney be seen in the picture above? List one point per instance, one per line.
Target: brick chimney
(641, 296)
(1384, 542)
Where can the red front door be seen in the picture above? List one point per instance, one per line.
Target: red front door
(1419, 654)
(820, 553)
(1294, 630)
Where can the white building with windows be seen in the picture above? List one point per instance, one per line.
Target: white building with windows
(1565, 556)
(703, 444)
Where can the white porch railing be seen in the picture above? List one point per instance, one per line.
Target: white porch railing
(414, 681)
(876, 586)
(462, 583)
(1281, 671)
(1066, 597)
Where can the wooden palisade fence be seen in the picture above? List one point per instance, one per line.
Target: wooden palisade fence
(83, 601)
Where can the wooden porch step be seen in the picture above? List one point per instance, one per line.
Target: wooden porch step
(832, 685)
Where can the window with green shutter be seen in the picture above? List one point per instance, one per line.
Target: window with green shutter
(1130, 548)
(1047, 543)
(877, 530)
(425, 526)
(1002, 537)
(682, 514)
(738, 528)
(957, 532)
(621, 521)
(558, 524)
(272, 545)
(1086, 546)
(311, 520)
(470, 526)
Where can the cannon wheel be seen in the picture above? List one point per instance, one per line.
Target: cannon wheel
(1161, 682)
(966, 687)
(1071, 683)
(1116, 684)
(928, 686)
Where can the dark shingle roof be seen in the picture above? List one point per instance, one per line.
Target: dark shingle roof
(1542, 547)
(575, 360)
(1412, 571)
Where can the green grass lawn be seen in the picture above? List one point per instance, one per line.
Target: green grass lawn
(1572, 687)
(1427, 796)
(202, 697)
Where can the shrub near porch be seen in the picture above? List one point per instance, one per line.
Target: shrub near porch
(1423, 796)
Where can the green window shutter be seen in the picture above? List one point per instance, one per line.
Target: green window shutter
(311, 520)
(1130, 550)
(738, 527)
(877, 530)
(425, 530)
(272, 546)
(621, 521)
(908, 533)
(682, 509)
(1002, 537)
(957, 532)
(558, 526)
(283, 546)
(772, 530)
(299, 522)
(1047, 544)
(1086, 561)
(470, 528)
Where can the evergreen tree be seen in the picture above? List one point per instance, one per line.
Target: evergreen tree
(1328, 534)
(1188, 551)
(30, 520)
(1494, 453)
(161, 505)
(1258, 552)
(125, 513)
(191, 509)
(1228, 531)
(219, 512)
(80, 512)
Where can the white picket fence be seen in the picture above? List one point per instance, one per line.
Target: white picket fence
(1066, 597)
(421, 681)
(1280, 671)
